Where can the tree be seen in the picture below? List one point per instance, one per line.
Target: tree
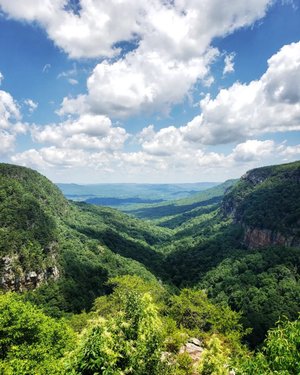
(280, 353)
(30, 341)
(130, 342)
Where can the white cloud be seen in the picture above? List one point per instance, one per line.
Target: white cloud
(32, 106)
(1, 78)
(70, 75)
(182, 165)
(46, 68)
(10, 124)
(164, 142)
(9, 110)
(76, 105)
(73, 81)
(291, 151)
(253, 150)
(92, 32)
(135, 84)
(271, 104)
(229, 64)
(167, 51)
(30, 158)
(50, 157)
(86, 132)
(7, 142)
(238, 113)
(172, 55)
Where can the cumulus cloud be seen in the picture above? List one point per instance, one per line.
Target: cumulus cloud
(32, 106)
(7, 141)
(49, 157)
(10, 122)
(229, 64)
(91, 31)
(181, 165)
(135, 84)
(1, 78)
(172, 143)
(172, 55)
(270, 104)
(85, 132)
(144, 82)
(253, 150)
(291, 151)
(151, 61)
(160, 48)
(240, 112)
(65, 158)
(9, 110)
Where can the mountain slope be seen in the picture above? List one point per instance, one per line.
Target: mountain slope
(46, 238)
(70, 250)
(29, 204)
(173, 213)
(266, 202)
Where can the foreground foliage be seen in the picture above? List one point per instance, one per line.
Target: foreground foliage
(30, 341)
(139, 336)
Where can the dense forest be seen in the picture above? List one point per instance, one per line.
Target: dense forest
(208, 284)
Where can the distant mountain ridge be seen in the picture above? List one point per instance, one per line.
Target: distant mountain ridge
(182, 208)
(121, 193)
(110, 201)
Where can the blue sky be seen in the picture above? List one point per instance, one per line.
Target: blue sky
(126, 91)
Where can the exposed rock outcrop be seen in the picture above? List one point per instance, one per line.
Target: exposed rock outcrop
(255, 238)
(194, 349)
(14, 278)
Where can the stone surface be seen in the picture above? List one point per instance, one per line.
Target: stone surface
(195, 341)
(193, 348)
(255, 238)
(14, 278)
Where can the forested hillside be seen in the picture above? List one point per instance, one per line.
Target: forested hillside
(193, 288)
(44, 237)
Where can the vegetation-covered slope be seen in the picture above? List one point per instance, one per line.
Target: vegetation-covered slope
(29, 206)
(173, 213)
(140, 329)
(70, 251)
(214, 253)
(44, 237)
(266, 201)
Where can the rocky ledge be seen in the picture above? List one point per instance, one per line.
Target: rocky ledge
(16, 279)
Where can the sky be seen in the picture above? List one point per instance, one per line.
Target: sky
(153, 91)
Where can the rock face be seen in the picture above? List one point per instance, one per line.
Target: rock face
(194, 349)
(231, 202)
(255, 238)
(265, 203)
(14, 278)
